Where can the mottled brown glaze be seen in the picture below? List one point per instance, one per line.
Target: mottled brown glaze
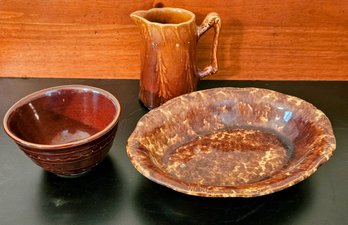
(231, 142)
(168, 52)
(221, 157)
(66, 129)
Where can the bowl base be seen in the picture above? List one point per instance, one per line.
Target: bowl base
(229, 157)
(75, 175)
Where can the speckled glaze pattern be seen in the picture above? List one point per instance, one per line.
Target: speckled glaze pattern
(220, 158)
(231, 142)
(66, 130)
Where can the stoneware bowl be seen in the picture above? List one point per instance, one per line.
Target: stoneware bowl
(231, 142)
(66, 130)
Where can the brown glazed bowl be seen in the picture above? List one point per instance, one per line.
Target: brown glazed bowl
(66, 130)
(231, 142)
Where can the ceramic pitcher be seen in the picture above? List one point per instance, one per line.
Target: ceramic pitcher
(169, 39)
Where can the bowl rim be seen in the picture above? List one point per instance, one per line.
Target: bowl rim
(41, 93)
(155, 174)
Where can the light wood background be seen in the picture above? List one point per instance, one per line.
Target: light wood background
(260, 39)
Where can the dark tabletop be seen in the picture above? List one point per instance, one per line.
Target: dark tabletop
(115, 193)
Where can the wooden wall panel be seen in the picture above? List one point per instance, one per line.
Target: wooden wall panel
(260, 39)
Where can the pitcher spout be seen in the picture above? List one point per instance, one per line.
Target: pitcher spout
(139, 17)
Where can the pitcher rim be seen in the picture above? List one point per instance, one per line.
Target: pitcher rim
(192, 19)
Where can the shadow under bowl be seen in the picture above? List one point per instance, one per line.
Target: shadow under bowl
(231, 142)
(66, 130)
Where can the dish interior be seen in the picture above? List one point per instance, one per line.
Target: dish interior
(61, 116)
(228, 157)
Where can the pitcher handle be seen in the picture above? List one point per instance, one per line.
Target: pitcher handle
(211, 20)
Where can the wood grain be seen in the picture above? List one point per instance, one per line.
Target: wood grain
(260, 40)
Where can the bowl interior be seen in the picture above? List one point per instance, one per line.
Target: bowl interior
(230, 138)
(62, 115)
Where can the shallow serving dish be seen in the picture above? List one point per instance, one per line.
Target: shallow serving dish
(66, 130)
(231, 142)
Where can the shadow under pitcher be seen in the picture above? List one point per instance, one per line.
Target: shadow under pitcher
(169, 39)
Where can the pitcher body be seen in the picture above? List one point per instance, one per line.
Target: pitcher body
(168, 53)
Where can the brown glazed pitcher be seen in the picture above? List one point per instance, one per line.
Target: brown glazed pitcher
(168, 52)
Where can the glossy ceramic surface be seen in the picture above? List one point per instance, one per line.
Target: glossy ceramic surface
(66, 129)
(231, 142)
(169, 39)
